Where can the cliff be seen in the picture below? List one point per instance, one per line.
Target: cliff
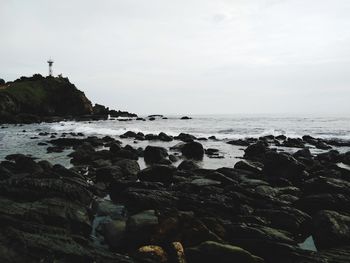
(38, 98)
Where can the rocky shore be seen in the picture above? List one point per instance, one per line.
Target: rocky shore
(48, 99)
(105, 208)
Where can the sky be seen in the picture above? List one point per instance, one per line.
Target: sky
(187, 56)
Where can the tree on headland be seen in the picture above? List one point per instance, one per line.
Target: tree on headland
(2, 82)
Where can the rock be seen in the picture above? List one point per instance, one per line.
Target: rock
(238, 142)
(255, 151)
(185, 118)
(108, 174)
(211, 151)
(154, 154)
(193, 150)
(321, 184)
(304, 153)
(176, 253)
(164, 137)
(330, 229)
(157, 173)
(254, 167)
(188, 165)
(294, 142)
(210, 251)
(29, 97)
(173, 158)
(332, 156)
(128, 134)
(281, 137)
(152, 253)
(311, 204)
(140, 226)
(185, 137)
(130, 168)
(283, 165)
(114, 233)
(204, 182)
(322, 145)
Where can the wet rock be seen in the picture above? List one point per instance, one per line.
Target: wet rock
(211, 151)
(283, 165)
(176, 253)
(164, 137)
(331, 229)
(173, 158)
(154, 154)
(255, 151)
(303, 153)
(281, 137)
(130, 168)
(316, 202)
(333, 156)
(157, 173)
(294, 142)
(211, 251)
(114, 233)
(152, 253)
(140, 226)
(188, 165)
(238, 142)
(254, 167)
(193, 150)
(185, 137)
(326, 185)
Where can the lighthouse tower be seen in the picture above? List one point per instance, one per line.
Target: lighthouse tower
(50, 62)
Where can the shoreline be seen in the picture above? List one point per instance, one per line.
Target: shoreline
(274, 198)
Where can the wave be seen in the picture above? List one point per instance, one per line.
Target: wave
(111, 128)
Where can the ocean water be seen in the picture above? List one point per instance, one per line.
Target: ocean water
(17, 139)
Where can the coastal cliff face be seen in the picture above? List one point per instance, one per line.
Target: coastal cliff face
(43, 96)
(48, 99)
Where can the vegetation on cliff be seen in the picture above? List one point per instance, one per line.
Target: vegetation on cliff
(37, 98)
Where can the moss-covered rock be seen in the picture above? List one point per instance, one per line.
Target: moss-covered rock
(43, 97)
(211, 251)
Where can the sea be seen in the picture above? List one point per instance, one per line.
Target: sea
(24, 138)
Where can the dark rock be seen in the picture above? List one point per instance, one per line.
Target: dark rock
(254, 167)
(185, 137)
(157, 173)
(211, 251)
(331, 229)
(188, 165)
(256, 150)
(185, 118)
(154, 154)
(283, 165)
(164, 137)
(193, 150)
(239, 142)
(294, 142)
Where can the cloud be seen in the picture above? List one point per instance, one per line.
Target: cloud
(156, 56)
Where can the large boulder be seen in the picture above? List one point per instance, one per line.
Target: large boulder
(256, 150)
(157, 173)
(210, 251)
(331, 229)
(193, 150)
(154, 154)
(283, 165)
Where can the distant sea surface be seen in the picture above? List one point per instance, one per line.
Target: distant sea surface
(17, 139)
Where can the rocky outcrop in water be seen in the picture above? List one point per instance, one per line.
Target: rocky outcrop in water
(38, 98)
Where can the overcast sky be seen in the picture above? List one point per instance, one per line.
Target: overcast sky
(187, 56)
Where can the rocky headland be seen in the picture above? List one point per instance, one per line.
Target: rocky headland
(47, 99)
(105, 208)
